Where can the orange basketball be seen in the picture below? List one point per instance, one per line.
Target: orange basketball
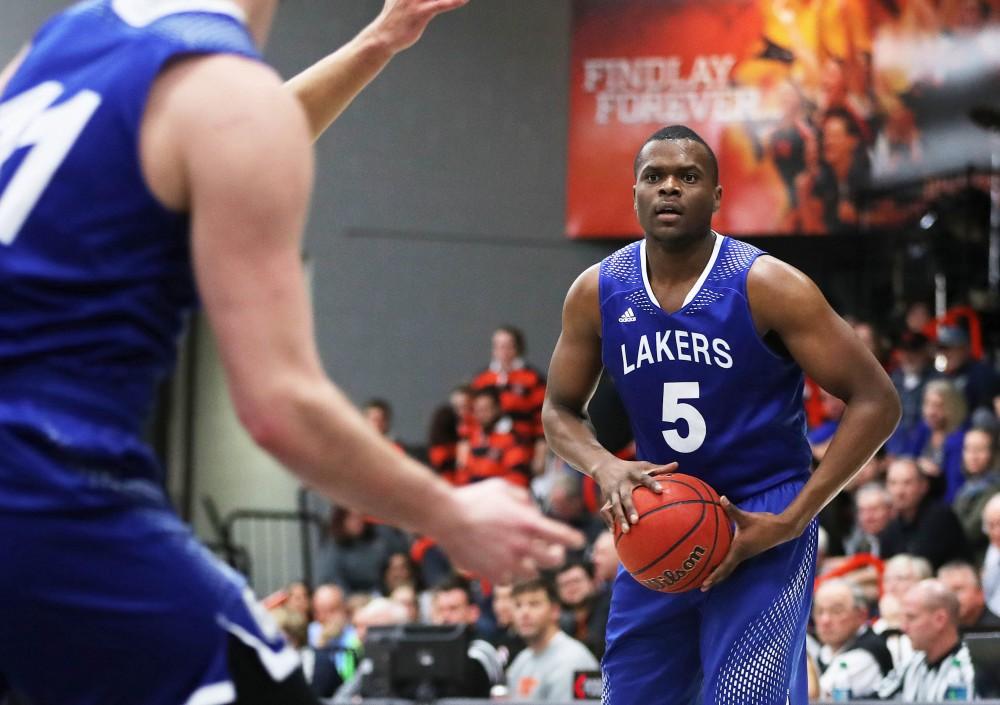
(681, 537)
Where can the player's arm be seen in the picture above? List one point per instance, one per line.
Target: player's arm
(11, 67)
(787, 302)
(326, 88)
(574, 372)
(246, 165)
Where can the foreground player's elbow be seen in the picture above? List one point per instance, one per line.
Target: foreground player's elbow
(272, 414)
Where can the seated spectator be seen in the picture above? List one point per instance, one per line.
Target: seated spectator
(937, 442)
(399, 570)
(982, 481)
(379, 612)
(903, 571)
(566, 504)
(442, 443)
(520, 388)
(298, 599)
(495, 449)
(922, 526)
(847, 644)
(889, 627)
(930, 619)
(873, 511)
(605, 560)
(331, 633)
(317, 664)
(506, 640)
(379, 415)
(406, 596)
(973, 614)
(975, 379)
(356, 551)
(544, 671)
(453, 602)
(585, 609)
(915, 370)
(991, 563)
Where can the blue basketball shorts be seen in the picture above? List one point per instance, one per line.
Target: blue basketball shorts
(740, 643)
(121, 605)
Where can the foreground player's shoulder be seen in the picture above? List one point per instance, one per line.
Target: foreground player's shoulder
(780, 295)
(582, 307)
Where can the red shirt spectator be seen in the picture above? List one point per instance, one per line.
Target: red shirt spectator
(521, 387)
(495, 450)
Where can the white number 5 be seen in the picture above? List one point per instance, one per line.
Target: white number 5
(28, 121)
(675, 410)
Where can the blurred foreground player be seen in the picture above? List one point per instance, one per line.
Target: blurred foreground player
(144, 149)
(706, 339)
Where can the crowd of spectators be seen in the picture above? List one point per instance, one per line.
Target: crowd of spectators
(909, 560)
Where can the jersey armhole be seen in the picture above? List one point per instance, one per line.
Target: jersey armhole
(760, 340)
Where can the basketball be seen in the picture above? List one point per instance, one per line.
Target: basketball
(682, 535)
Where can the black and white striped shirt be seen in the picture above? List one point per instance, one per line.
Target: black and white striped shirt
(920, 681)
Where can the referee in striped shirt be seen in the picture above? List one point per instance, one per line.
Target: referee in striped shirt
(940, 659)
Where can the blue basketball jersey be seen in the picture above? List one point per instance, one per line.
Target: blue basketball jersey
(700, 386)
(95, 275)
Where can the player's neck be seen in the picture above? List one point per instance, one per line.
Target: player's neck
(671, 263)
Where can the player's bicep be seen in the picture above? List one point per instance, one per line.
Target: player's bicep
(821, 342)
(248, 168)
(576, 360)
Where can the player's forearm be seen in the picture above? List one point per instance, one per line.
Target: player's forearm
(318, 434)
(326, 88)
(867, 422)
(571, 438)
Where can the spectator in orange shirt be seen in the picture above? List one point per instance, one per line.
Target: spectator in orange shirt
(495, 449)
(521, 388)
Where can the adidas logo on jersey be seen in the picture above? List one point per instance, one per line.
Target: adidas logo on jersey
(627, 317)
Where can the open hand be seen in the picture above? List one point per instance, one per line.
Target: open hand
(495, 530)
(617, 479)
(402, 22)
(756, 532)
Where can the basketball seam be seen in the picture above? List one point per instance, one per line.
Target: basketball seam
(677, 543)
(668, 478)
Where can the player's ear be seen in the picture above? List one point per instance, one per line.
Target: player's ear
(717, 198)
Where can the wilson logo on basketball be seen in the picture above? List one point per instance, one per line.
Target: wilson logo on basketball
(672, 577)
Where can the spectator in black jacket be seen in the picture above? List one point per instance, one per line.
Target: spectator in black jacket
(973, 614)
(922, 527)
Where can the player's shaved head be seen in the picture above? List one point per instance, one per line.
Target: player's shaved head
(678, 132)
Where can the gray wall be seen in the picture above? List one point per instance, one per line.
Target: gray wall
(439, 202)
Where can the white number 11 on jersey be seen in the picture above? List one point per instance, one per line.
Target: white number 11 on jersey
(27, 121)
(676, 410)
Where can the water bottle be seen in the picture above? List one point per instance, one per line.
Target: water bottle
(958, 686)
(841, 691)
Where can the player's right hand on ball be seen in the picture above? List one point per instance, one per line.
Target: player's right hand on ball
(497, 531)
(617, 479)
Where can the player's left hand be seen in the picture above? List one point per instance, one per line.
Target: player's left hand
(756, 532)
(402, 22)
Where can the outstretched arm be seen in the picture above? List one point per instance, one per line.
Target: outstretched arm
(326, 88)
(574, 372)
(787, 302)
(248, 198)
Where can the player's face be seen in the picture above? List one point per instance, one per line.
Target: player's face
(675, 191)
(534, 614)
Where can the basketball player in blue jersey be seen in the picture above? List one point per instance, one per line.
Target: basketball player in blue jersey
(148, 158)
(706, 339)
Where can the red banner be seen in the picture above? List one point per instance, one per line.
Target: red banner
(810, 105)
